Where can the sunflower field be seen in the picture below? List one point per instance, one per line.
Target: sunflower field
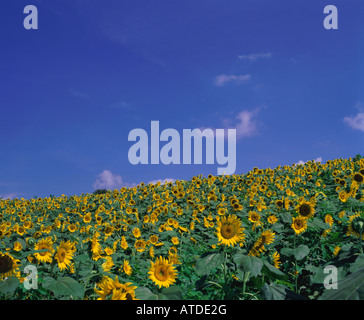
(275, 234)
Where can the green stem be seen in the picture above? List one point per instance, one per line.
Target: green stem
(215, 283)
(253, 295)
(52, 266)
(296, 266)
(226, 287)
(245, 280)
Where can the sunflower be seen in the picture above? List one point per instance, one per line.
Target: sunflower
(108, 264)
(175, 240)
(305, 208)
(123, 243)
(230, 231)
(151, 251)
(108, 230)
(254, 217)
(95, 244)
(21, 230)
(109, 251)
(162, 273)
(342, 182)
(105, 288)
(8, 265)
(18, 246)
(272, 219)
(72, 227)
(343, 196)
(43, 244)
(299, 224)
(358, 178)
(172, 250)
(64, 254)
(237, 207)
(173, 258)
(336, 251)
(136, 232)
(356, 226)
(267, 237)
(275, 257)
(126, 292)
(127, 268)
(140, 245)
(329, 219)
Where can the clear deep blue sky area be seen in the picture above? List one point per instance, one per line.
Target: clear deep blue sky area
(73, 89)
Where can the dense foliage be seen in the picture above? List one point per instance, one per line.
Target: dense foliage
(266, 234)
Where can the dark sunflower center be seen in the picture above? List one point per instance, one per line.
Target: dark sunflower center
(305, 210)
(161, 274)
(227, 231)
(43, 247)
(62, 255)
(358, 177)
(298, 224)
(6, 263)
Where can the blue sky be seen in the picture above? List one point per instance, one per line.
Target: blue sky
(72, 90)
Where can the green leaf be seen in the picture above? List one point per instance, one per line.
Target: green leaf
(143, 293)
(272, 272)
(212, 241)
(317, 223)
(84, 258)
(250, 264)
(278, 292)
(358, 264)
(349, 288)
(286, 217)
(277, 227)
(208, 261)
(319, 274)
(9, 285)
(299, 253)
(64, 286)
(171, 293)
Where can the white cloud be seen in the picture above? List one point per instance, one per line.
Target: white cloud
(319, 159)
(222, 79)
(162, 181)
(123, 105)
(244, 123)
(9, 196)
(255, 56)
(107, 180)
(247, 125)
(355, 122)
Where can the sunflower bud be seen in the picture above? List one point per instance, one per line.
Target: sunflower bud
(30, 241)
(358, 225)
